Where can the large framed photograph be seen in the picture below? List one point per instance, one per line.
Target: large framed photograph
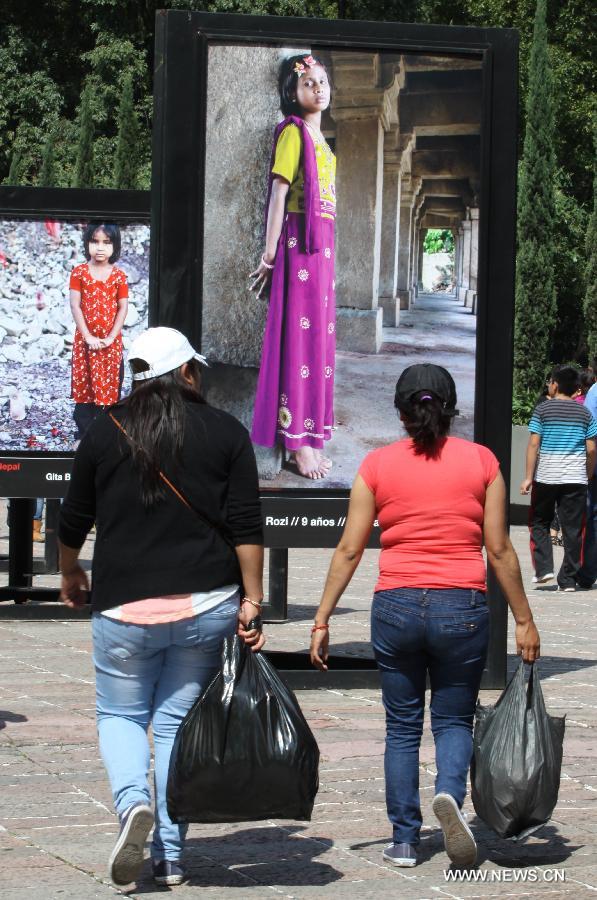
(332, 202)
(64, 254)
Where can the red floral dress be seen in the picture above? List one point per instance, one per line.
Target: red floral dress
(96, 373)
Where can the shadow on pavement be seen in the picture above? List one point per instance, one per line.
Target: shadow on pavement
(6, 717)
(548, 848)
(552, 665)
(255, 856)
(304, 612)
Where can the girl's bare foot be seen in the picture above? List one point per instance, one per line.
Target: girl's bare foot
(307, 463)
(325, 463)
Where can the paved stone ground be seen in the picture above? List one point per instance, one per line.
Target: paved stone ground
(57, 826)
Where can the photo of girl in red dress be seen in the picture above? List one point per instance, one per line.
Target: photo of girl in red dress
(99, 305)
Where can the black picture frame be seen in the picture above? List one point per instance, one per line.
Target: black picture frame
(182, 41)
(40, 473)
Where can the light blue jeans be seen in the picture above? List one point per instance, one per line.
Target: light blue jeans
(152, 674)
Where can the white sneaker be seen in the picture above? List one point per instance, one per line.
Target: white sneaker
(126, 859)
(543, 578)
(458, 838)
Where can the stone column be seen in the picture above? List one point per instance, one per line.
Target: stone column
(360, 130)
(389, 238)
(453, 282)
(359, 146)
(404, 231)
(421, 234)
(413, 256)
(458, 244)
(359, 182)
(471, 294)
(466, 260)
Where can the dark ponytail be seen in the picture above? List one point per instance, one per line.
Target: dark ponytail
(426, 422)
(154, 419)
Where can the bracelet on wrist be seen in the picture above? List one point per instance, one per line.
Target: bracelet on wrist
(267, 265)
(320, 628)
(255, 603)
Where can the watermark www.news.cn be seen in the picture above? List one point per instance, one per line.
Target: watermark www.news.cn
(524, 876)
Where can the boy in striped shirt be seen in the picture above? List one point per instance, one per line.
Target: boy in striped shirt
(562, 438)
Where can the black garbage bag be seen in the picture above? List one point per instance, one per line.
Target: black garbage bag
(517, 759)
(244, 751)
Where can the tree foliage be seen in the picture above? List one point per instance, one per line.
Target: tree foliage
(84, 176)
(570, 227)
(438, 240)
(590, 298)
(16, 167)
(61, 43)
(47, 173)
(51, 49)
(125, 159)
(535, 282)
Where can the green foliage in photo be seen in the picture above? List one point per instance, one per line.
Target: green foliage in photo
(438, 240)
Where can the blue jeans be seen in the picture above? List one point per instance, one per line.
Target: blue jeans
(445, 633)
(152, 674)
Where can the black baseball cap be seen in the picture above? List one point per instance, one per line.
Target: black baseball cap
(426, 377)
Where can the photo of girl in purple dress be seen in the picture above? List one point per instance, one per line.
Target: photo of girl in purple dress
(294, 400)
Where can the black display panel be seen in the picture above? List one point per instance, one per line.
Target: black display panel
(422, 123)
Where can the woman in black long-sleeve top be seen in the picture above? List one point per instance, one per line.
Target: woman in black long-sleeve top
(171, 485)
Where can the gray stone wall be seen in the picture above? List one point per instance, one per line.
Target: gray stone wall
(242, 112)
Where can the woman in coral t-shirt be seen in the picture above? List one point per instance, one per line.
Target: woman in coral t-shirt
(438, 499)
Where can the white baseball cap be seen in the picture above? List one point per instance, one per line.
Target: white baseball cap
(163, 349)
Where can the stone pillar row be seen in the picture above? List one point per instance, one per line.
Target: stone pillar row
(363, 116)
(467, 259)
(381, 204)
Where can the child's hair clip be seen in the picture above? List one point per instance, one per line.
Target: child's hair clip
(309, 61)
(299, 69)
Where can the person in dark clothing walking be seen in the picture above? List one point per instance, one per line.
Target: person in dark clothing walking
(560, 462)
(171, 484)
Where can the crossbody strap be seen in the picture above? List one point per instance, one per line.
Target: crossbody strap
(181, 496)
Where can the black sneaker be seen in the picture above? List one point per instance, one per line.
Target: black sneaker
(584, 585)
(168, 871)
(458, 838)
(126, 858)
(403, 855)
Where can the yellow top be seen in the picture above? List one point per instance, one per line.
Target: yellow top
(287, 164)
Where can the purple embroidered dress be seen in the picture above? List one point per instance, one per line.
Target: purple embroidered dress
(294, 401)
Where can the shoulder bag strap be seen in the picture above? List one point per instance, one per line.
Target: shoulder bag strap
(225, 537)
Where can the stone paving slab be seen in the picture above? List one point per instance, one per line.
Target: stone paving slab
(57, 826)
